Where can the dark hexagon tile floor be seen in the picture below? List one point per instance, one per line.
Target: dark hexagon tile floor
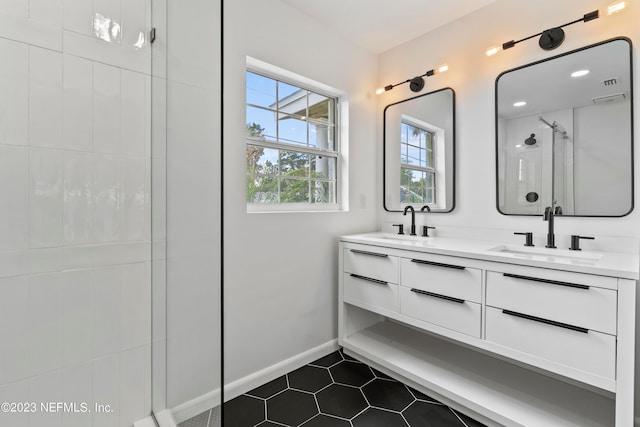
(336, 391)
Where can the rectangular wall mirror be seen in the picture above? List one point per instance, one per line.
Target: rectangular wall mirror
(564, 133)
(419, 152)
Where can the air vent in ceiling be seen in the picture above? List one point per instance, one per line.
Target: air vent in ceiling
(610, 98)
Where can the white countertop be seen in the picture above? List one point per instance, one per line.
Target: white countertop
(615, 264)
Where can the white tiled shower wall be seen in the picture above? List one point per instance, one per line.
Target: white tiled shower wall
(75, 216)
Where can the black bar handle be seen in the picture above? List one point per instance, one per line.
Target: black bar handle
(355, 251)
(546, 321)
(438, 264)
(369, 279)
(553, 282)
(431, 294)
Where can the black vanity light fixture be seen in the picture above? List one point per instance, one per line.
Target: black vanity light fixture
(416, 84)
(553, 37)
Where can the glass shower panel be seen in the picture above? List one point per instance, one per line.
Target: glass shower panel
(186, 211)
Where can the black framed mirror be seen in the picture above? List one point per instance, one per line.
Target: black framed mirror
(419, 152)
(564, 133)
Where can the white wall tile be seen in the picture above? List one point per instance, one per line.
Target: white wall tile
(46, 389)
(134, 23)
(15, 7)
(14, 195)
(45, 98)
(15, 392)
(133, 113)
(78, 16)
(106, 310)
(133, 368)
(132, 198)
(14, 263)
(135, 302)
(108, 12)
(106, 390)
(106, 108)
(13, 316)
(45, 197)
(107, 53)
(107, 202)
(77, 103)
(45, 260)
(45, 323)
(78, 197)
(77, 386)
(14, 93)
(77, 318)
(48, 12)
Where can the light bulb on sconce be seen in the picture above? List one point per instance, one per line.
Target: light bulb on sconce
(554, 37)
(416, 83)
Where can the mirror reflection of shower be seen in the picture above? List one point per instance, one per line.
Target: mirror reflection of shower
(561, 179)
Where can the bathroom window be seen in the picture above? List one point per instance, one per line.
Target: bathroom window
(417, 163)
(292, 146)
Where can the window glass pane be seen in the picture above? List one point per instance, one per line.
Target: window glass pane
(404, 131)
(262, 189)
(292, 99)
(413, 157)
(261, 91)
(261, 124)
(323, 167)
(323, 191)
(321, 108)
(262, 161)
(321, 136)
(292, 129)
(294, 190)
(293, 163)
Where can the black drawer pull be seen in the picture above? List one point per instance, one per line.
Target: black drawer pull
(553, 282)
(369, 279)
(355, 251)
(437, 264)
(547, 321)
(431, 294)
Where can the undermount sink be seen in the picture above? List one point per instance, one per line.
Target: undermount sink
(546, 253)
(391, 236)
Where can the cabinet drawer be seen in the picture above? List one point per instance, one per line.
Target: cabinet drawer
(442, 276)
(462, 316)
(371, 262)
(566, 302)
(592, 352)
(370, 293)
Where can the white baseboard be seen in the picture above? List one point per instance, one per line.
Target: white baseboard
(245, 384)
(180, 413)
(196, 406)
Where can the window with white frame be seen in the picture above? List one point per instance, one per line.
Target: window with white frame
(292, 145)
(417, 163)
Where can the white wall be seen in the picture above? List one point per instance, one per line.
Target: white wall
(75, 223)
(472, 75)
(280, 269)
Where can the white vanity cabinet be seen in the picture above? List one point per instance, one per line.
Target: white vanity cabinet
(510, 342)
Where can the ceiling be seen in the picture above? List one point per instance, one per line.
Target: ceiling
(379, 25)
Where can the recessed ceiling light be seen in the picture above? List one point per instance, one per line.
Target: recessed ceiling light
(579, 73)
(519, 104)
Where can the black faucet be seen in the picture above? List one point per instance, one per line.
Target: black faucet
(413, 219)
(549, 214)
